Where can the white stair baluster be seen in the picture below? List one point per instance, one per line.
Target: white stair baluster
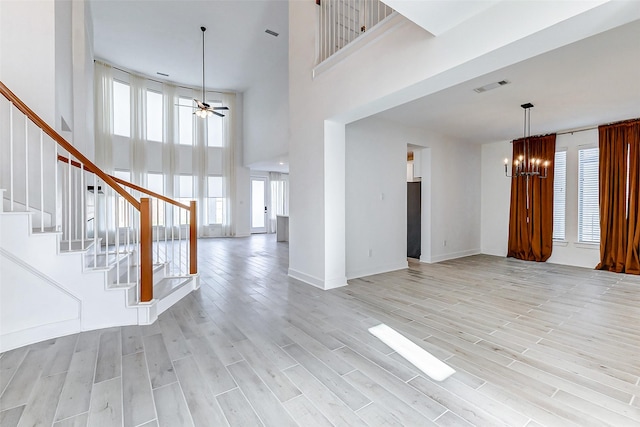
(26, 163)
(41, 181)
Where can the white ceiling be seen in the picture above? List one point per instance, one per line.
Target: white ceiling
(587, 83)
(438, 16)
(590, 82)
(150, 36)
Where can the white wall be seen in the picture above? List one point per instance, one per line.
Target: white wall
(404, 63)
(376, 198)
(266, 117)
(64, 63)
(27, 62)
(46, 61)
(83, 77)
(496, 194)
(242, 208)
(455, 198)
(27, 68)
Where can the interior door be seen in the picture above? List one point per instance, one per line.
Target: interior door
(414, 226)
(258, 204)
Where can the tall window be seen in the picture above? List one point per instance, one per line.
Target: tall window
(154, 116)
(588, 205)
(123, 205)
(121, 109)
(185, 121)
(185, 195)
(559, 195)
(163, 114)
(214, 128)
(155, 183)
(214, 200)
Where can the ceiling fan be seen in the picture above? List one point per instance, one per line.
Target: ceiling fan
(203, 109)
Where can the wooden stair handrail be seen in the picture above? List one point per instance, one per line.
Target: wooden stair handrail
(130, 185)
(192, 208)
(143, 206)
(66, 145)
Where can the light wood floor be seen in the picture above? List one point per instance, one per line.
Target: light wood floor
(533, 344)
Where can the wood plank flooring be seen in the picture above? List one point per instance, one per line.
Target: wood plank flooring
(532, 344)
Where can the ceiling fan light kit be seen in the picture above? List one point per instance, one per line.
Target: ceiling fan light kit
(204, 110)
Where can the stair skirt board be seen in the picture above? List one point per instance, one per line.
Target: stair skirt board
(37, 334)
(147, 314)
(189, 284)
(91, 305)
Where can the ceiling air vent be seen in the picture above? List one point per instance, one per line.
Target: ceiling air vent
(273, 33)
(491, 86)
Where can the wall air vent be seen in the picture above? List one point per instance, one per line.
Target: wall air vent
(491, 86)
(162, 74)
(273, 33)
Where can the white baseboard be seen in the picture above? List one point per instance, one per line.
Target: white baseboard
(378, 269)
(316, 281)
(39, 333)
(453, 255)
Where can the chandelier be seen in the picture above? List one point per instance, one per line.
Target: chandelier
(525, 164)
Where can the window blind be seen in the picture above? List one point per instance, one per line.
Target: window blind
(559, 195)
(588, 202)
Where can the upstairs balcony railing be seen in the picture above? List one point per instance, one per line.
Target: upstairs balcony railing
(131, 228)
(342, 21)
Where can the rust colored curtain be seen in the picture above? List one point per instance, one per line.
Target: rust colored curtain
(531, 212)
(619, 151)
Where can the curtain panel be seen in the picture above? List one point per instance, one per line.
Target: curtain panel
(531, 210)
(619, 181)
(279, 184)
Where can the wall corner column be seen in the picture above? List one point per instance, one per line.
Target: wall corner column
(334, 205)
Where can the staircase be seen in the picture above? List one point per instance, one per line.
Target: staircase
(73, 259)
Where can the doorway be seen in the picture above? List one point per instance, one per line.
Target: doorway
(258, 204)
(414, 223)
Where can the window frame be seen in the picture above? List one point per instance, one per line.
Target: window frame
(593, 191)
(560, 187)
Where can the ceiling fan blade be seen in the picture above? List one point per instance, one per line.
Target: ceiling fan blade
(221, 108)
(201, 104)
(217, 114)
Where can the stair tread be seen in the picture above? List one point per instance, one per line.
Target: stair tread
(76, 246)
(98, 261)
(38, 230)
(133, 270)
(168, 285)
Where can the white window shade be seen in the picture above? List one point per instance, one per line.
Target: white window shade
(215, 200)
(154, 116)
(185, 121)
(185, 186)
(121, 109)
(214, 187)
(588, 199)
(559, 195)
(215, 127)
(155, 182)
